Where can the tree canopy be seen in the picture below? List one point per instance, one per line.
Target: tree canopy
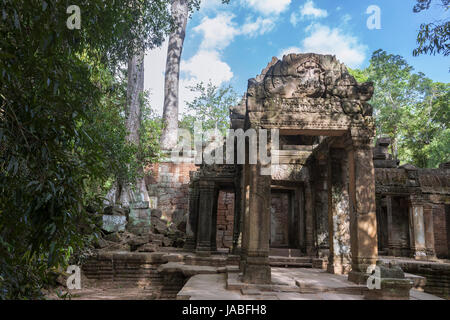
(433, 38)
(410, 108)
(211, 106)
(62, 125)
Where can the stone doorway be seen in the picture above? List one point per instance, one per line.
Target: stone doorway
(280, 219)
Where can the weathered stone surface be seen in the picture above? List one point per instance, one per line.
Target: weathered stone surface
(114, 223)
(159, 226)
(156, 213)
(113, 237)
(139, 217)
(115, 211)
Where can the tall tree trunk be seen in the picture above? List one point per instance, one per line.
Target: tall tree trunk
(135, 89)
(180, 12)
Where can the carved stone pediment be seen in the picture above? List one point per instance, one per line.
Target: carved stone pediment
(312, 91)
(296, 77)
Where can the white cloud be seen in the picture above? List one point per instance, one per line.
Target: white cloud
(294, 19)
(207, 5)
(346, 18)
(207, 63)
(258, 27)
(268, 7)
(217, 32)
(204, 66)
(324, 40)
(308, 11)
(288, 51)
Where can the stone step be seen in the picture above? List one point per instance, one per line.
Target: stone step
(291, 264)
(297, 262)
(319, 281)
(285, 252)
(419, 282)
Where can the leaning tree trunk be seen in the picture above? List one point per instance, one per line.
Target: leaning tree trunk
(180, 12)
(135, 89)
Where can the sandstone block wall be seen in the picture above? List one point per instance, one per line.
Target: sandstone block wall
(168, 185)
(279, 220)
(441, 242)
(225, 220)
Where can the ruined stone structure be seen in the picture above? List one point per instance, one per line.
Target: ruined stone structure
(331, 194)
(328, 200)
(325, 122)
(412, 208)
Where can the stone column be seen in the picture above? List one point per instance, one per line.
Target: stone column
(320, 185)
(205, 214)
(300, 198)
(238, 194)
(363, 224)
(379, 221)
(256, 268)
(429, 231)
(192, 220)
(309, 220)
(214, 220)
(245, 215)
(417, 229)
(338, 213)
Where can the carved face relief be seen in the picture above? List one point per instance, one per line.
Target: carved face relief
(310, 80)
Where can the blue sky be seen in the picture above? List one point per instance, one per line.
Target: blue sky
(228, 44)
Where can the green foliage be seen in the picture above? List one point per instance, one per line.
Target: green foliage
(391, 76)
(195, 4)
(433, 37)
(360, 75)
(150, 134)
(425, 134)
(61, 126)
(211, 107)
(409, 108)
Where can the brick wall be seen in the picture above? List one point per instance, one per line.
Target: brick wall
(168, 183)
(225, 219)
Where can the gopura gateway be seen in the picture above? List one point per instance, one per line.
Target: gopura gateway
(332, 204)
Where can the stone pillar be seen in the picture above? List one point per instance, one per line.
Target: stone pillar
(363, 224)
(429, 231)
(417, 229)
(214, 220)
(238, 195)
(205, 214)
(379, 221)
(338, 213)
(320, 185)
(192, 220)
(256, 268)
(245, 215)
(300, 198)
(139, 217)
(309, 220)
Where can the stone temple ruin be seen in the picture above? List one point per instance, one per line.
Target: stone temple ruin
(332, 203)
